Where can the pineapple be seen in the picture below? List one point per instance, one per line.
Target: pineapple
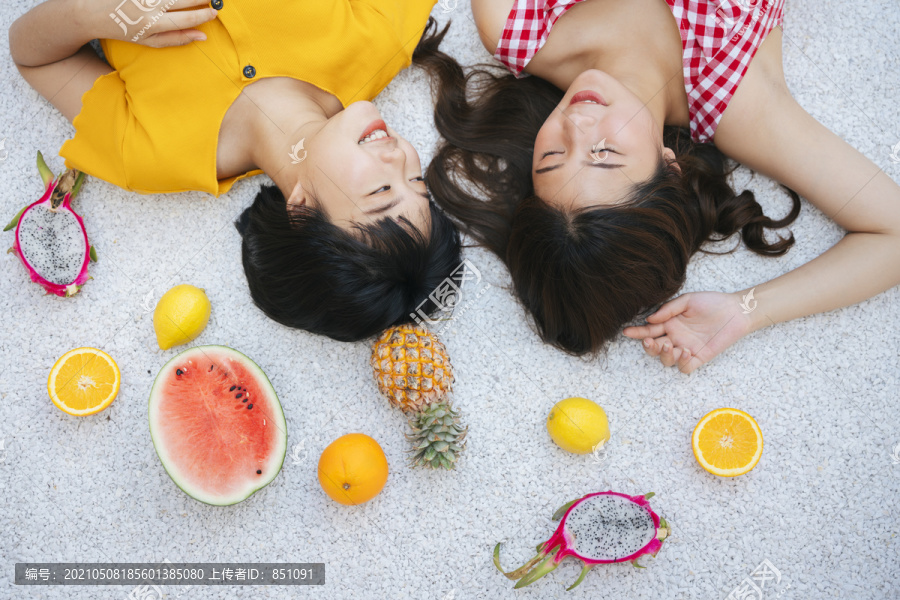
(413, 371)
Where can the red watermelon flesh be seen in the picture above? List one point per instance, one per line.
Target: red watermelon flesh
(217, 424)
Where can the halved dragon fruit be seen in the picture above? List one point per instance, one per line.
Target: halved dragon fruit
(600, 528)
(50, 237)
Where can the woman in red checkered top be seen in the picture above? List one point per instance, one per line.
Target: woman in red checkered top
(605, 170)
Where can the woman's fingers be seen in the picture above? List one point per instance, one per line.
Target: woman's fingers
(183, 19)
(651, 330)
(174, 38)
(177, 28)
(182, 4)
(670, 309)
(669, 354)
(685, 364)
(651, 347)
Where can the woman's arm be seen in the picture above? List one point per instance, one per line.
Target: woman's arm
(47, 43)
(765, 129)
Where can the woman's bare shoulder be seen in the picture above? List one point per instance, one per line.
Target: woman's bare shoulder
(757, 92)
(490, 18)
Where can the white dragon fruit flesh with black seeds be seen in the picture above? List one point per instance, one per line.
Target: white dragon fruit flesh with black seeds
(600, 528)
(50, 237)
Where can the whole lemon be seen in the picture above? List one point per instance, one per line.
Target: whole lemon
(353, 469)
(578, 425)
(180, 316)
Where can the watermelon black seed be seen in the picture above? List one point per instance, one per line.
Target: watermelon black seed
(231, 389)
(245, 399)
(211, 367)
(179, 372)
(249, 406)
(259, 472)
(239, 394)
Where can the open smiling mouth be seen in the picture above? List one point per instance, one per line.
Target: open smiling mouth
(376, 130)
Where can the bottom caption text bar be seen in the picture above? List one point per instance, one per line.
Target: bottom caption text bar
(169, 573)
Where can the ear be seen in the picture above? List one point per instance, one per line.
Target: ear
(669, 157)
(298, 196)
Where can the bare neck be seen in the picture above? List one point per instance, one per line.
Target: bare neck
(265, 124)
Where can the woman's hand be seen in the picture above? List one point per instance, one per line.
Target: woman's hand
(692, 329)
(154, 23)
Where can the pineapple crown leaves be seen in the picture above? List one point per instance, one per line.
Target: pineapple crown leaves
(437, 437)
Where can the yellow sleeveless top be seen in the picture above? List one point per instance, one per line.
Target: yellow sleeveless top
(152, 125)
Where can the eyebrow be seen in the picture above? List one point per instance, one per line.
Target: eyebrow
(377, 211)
(394, 202)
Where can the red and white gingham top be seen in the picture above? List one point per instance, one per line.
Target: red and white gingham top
(718, 37)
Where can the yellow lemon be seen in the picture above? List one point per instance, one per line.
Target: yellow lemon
(578, 425)
(84, 381)
(180, 316)
(727, 442)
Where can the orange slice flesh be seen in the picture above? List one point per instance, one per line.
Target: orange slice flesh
(84, 381)
(727, 442)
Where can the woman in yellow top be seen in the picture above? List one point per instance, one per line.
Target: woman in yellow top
(198, 94)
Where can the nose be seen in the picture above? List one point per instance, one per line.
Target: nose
(577, 126)
(392, 153)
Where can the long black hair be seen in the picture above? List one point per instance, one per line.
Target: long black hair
(306, 272)
(581, 274)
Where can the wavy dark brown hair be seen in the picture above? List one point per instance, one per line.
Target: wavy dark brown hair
(581, 274)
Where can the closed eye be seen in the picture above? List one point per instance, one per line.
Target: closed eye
(386, 188)
(546, 154)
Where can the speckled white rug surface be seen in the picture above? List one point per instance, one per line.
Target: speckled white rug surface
(821, 506)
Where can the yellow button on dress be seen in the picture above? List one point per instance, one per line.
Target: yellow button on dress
(152, 125)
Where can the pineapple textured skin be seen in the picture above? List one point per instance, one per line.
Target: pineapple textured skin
(411, 367)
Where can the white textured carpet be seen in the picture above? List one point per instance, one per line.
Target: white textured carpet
(821, 506)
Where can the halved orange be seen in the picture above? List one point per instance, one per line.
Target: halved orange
(727, 442)
(84, 381)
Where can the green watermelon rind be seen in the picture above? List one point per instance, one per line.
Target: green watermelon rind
(252, 366)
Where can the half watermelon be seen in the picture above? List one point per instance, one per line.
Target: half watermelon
(217, 424)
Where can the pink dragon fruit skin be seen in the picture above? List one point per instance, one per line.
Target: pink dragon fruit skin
(609, 527)
(50, 239)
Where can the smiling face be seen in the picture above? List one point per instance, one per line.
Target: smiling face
(599, 142)
(359, 171)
